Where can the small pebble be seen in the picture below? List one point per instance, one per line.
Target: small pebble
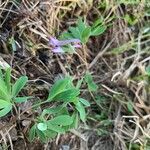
(65, 147)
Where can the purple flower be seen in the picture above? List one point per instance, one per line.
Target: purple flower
(57, 45)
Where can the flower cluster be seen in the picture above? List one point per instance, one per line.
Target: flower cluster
(57, 45)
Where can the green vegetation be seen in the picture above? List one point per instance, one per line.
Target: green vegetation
(9, 92)
(80, 72)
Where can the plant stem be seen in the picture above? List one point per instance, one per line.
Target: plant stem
(36, 105)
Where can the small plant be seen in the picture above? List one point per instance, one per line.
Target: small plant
(71, 39)
(68, 109)
(63, 46)
(83, 32)
(9, 92)
(90, 83)
(131, 19)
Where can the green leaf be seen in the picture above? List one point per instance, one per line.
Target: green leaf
(98, 22)
(57, 88)
(53, 110)
(42, 126)
(1, 73)
(148, 70)
(98, 30)
(55, 128)
(20, 83)
(63, 120)
(3, 90)
(3, 84)
(66, 36)
(13, 43)
(8, 79)
(68, 95)
(89, 80)
(32, 133)
(79, 83)
(51, 133)
(147, 147)
(81, 25)
(75, 123)
(81, 111)
(41, 135)
(5, 107)
(21, 99)
(84, 102)
(86, 34)
(131, 19)
(69, 49)
(75, 32)
(130, 106)
(3, 94)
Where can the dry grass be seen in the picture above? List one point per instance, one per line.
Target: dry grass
(117, 59)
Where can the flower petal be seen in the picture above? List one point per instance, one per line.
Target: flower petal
(58, 50)
(53, 42)
(65, 42)
(77, 45)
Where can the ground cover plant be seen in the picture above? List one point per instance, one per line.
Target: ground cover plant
(75, 74)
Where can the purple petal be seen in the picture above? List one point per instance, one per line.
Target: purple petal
(58, 50)
(77, 46)
(54, 42)
(65, 42)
